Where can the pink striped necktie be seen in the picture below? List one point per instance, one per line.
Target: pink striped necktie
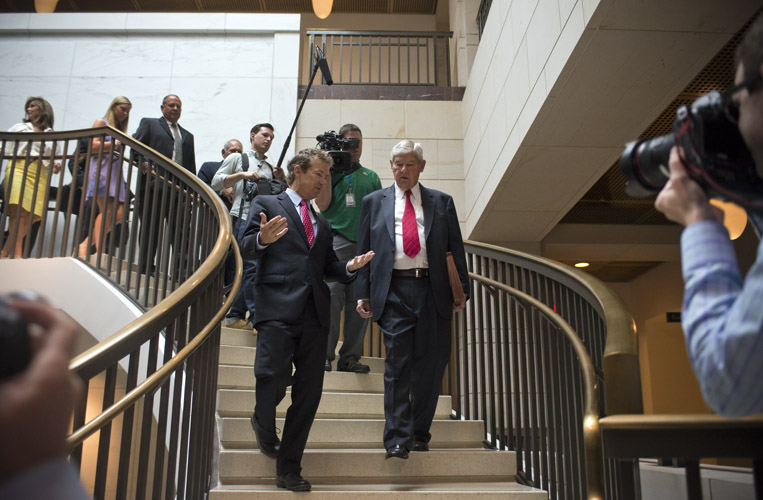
(307, 223)
(411, 245)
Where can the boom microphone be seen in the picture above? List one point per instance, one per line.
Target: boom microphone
(324, 67)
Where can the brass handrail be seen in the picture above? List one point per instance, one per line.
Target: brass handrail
(183, 310)
(592, 442)
(622, 392)
(152, 382)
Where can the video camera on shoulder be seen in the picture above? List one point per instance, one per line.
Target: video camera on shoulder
(337, 148)
(715, 155)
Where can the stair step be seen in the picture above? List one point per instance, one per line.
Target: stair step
(396, 490)
(337, 405)
(252, 467)
(234, 336)
(242, 377)
(240, 355)
(237, 433)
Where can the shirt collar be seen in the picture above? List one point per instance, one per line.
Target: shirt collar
(257, 155)
(295, 198)
(415, 192)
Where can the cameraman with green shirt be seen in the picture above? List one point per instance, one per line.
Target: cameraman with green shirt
(341, 206)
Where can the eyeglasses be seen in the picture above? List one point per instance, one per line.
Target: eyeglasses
(730, 104)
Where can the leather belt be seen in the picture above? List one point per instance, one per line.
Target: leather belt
(418, 272)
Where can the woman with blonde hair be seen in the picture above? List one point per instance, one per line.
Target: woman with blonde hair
(105, 180)
(26, 177)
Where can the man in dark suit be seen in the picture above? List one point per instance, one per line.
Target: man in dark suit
(208, 170)
(294, 252)
(173, 141)
(407, 292)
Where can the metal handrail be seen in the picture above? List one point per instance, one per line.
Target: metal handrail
(592, 443)
(181, 292)
(160, 376)
(383, 57)
(605, 328)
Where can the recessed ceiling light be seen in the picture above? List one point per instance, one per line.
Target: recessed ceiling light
(582, 264)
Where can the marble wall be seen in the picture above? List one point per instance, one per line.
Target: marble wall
(230, 70)
(434, 124)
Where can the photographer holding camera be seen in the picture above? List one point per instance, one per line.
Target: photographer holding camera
(341, 206)
(244, 172)
(722, 314)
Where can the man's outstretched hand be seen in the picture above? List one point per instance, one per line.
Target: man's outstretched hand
(272, 230)
(359, 261)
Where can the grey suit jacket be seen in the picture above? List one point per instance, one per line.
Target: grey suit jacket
(377, 232)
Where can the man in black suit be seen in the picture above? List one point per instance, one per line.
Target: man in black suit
(294, 252)
(173, 141)
(407, 292)
(208, 170)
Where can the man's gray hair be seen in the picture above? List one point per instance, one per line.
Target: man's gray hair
(406, 146)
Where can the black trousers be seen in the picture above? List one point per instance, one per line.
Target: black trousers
(417, 341)
(279, 346)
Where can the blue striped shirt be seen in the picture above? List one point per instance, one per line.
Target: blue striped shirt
(723, 320)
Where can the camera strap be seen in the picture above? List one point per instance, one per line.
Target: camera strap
(355, 168)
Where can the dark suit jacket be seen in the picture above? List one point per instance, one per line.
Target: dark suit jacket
(155, 133)
(377, 232)
(288, 268)
(207, 171)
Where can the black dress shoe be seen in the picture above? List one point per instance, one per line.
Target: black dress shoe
(354, 367)
(420, 446)
(293, 482)
(327, 366)
(269, 447)
(397, 451)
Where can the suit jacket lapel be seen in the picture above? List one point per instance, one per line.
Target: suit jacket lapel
(294, 219)
(388, 210)
(166, 126)
(427, 205)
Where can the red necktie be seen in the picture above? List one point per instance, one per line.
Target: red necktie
(307, 223)
(411, 245)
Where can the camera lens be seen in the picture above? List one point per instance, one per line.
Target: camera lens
(645, 165)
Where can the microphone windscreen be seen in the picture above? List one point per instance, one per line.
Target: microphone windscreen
(324, 66)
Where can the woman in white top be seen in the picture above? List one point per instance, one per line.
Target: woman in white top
(26, 176)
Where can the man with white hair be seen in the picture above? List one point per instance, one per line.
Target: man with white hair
(406, 290)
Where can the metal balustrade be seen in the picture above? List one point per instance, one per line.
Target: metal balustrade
(384, 57)
(144, 428)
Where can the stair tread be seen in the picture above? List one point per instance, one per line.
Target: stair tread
(237, 433)
(240, 402)
(455, 487)
(250, 466)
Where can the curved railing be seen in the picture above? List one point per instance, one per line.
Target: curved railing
(150, 387)
(521, 350)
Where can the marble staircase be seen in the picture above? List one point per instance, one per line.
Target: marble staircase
(345, 458)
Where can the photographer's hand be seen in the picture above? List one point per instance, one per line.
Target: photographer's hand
(682, 199)
(279, 174)
(36, 405)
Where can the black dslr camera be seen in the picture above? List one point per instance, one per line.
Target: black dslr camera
(337, 146)
(262, 186)
(715, 156)
(15, 348)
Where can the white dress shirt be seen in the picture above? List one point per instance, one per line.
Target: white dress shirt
(402, 261)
